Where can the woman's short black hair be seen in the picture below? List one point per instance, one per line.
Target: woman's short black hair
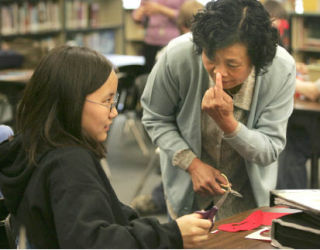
(225, 22)
(50, 112)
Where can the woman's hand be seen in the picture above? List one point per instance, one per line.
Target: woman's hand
(219, 106)
(194, 230)
(138, 14)
(206, 179)
(152, 8)
(307, 89)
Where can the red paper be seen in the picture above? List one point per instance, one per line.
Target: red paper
(254, 220)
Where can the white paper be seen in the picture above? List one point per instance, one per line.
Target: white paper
(258, 236)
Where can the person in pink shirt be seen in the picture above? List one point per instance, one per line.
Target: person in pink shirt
(159, 18)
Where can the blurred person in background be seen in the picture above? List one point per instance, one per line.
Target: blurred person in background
(279, 18)
(159, 18)
(309, 90)
(292, 172)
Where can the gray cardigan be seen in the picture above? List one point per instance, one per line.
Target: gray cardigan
(172, 117)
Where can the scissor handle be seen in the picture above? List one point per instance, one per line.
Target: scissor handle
(208, 214)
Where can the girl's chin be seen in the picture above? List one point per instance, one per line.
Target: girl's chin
(102, 138)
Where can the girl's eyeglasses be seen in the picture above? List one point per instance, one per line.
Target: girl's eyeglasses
(111, 105)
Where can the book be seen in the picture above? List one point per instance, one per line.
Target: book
(307, 200)
(298, 230)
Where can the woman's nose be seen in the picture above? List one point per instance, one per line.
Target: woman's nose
(113, 113)
(220, 69)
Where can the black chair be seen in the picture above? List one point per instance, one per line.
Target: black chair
(6, 234)
(129, 103)
(128, 68)
(140, 82)
(127, 92)
(9, 233)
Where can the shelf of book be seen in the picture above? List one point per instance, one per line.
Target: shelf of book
(92, 14)
(80, 22)
(305, 36)
(101, 40)
(34, 35)
(30, 17)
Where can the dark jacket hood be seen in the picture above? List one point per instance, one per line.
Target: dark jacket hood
(15, 172)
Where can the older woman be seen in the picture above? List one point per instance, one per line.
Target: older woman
(218, 101)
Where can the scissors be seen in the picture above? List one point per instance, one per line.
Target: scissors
(211, 213)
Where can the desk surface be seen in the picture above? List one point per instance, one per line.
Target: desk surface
(15, 75)
(125, 60)
(306, 105)
(237, 239)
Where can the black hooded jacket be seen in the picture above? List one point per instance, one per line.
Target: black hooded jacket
(66, 201)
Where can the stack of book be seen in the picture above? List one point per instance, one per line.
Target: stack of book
(301, 229)
(29, 17)
(83, 14)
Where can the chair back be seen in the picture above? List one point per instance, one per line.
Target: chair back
(9, 233)
(6, 234)
(129, 96)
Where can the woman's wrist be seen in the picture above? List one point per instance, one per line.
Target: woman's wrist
(166, 11)
(229, 126)
(234, 133)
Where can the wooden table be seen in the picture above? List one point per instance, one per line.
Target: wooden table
(313, 109)
(300, 105)
(15, 75)
(237, 239)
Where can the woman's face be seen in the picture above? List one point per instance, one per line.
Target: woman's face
(96, 114)
(232, 62)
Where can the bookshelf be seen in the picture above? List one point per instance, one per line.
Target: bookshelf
(305, 41)
(97, 24)
(134, 35)
(33, 25)
(305, 37)
(39, 25)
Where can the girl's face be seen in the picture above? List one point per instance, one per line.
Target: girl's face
(99, 111)
(232, 62)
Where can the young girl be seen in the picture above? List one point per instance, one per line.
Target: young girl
(50, 175)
